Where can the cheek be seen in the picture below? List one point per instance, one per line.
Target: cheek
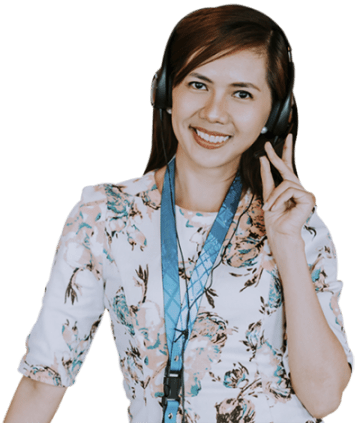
(178, 123)
(181, 116)
(266, 109)
(261, 115)
(184, 105)
(177, 113)
(176, 119)
(251, 120)
(183, 108)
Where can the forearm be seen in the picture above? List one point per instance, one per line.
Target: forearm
(318, 364)
(34, 402)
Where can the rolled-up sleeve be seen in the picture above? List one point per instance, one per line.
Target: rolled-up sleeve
(73, 302)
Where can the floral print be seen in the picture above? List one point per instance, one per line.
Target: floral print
(236, 362)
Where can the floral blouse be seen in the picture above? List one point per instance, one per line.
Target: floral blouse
(236, 365)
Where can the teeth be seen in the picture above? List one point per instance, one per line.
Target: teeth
(211, 138)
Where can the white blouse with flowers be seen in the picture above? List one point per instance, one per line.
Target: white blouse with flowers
(236, 362)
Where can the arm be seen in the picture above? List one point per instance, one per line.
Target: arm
(72, 308)
(318, 364)
(34, 402)
(73, 302)
(316, 342)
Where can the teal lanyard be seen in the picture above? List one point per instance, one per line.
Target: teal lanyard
(176, 318)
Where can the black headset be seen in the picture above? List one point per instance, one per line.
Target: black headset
(283, 115)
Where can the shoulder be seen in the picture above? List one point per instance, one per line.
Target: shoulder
(112, 194)
(104, 202)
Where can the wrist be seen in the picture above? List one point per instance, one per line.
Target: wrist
(286, 245)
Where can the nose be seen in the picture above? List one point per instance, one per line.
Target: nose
(214, 109)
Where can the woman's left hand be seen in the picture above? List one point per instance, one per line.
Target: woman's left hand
(289, 204)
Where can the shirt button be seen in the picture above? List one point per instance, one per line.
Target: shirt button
(170, 415)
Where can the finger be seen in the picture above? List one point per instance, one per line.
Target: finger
(285, 171)
(295, 195)
(287, 151)
(267, 178)
(277, 192)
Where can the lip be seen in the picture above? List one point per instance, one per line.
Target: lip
(206, 144)
(216, 134)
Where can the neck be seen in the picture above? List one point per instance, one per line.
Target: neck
(201, 189)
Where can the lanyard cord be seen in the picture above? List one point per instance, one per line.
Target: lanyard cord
(185, 331)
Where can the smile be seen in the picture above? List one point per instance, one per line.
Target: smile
(210, 141)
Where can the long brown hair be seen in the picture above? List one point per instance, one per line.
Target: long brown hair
(211, 31)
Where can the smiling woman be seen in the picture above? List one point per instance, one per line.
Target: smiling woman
(217, 108)
(223, 309)
(266, 56)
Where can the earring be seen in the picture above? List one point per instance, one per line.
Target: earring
(169, 110)
(264, 130)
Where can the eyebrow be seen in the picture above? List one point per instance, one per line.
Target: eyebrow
(235, 84)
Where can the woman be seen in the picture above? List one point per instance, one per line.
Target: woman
(239, 351)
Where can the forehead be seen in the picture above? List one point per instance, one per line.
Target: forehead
(248, 64)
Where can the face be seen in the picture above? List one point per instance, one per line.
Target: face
(219, 110)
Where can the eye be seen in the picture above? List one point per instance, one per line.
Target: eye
(197, 85)
(243, 94)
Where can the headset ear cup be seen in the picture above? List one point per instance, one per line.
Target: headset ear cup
(281, 114)
(161, 86)
(153, 89)
(282, 123)
(287, 116)
(162, 95)
(169, 92)
(161, 91)
(270, 124)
